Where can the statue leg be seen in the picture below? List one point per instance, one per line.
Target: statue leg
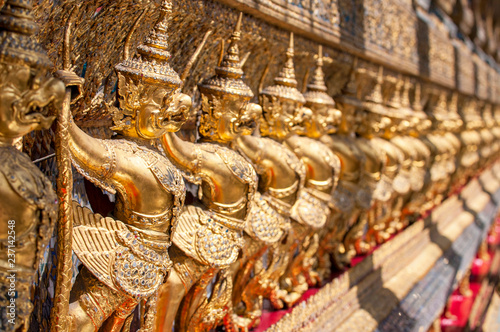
(245, 291)
(241, 270)
(329, 237)
(184, 274)
(354, 242)
(310, 262)
(171, 294)
(375, 214)
(92, 303)
(381, 221)
(201, 311)
(397, 222)
(81, 321)
(117, 320)
(334, 242)
(294, 280)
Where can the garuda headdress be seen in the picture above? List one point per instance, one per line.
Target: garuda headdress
(228, 74)
(285, 84)
(151, 65)
(406, 109)
(316, 90)
(17, 28)
(374, 100)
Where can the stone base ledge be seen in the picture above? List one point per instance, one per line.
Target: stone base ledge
(404, 284)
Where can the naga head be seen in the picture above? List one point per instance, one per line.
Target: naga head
(28, 96)
(325, 116)
(227, 111)
(149, 94)
(283, 112)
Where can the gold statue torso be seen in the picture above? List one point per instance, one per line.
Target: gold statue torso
(228, 182)
(281, 172)
(352, 161)
(31, 198)
(135, 204)
(414, 160)
(394, 156)
(150, 194)
(375, 158)
(351, 157)
(322, 166)
(221, 168)
(375, 161)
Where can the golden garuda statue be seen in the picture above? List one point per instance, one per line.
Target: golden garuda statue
(361, 108)
(208, 238)
(125, 256)
(29, 100)
(322, 171)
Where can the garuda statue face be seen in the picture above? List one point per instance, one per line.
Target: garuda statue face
(226, 109)
(325, 116)
(149, 94)
(26, 93)
(247, 117)
(283, 117)
(227, 116)
(325, 120)
(283, 113)
(371, 116)
(398, 126)
(150, 110)
(368, 123)
(26, 98)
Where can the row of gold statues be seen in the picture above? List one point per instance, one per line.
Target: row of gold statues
(285, 188)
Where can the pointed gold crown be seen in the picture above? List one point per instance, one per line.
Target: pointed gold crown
(17, 28)
(471, 115)
(351, 91)
(228, 73)
(446, 109)
(417, 98)
(453, 109)
(452, 106)
(405, 104)
(316, 90)
(374, 99)
(375, 94)
(394, 99)
(406, 107)
(496, 114)
(405, 96)
(439, 108)
(151, 65)
(488, 115)
(285, 84)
